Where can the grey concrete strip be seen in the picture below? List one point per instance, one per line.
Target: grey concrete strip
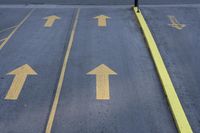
(95, 6)
(171, 5)
(64, 6)
(97, 2)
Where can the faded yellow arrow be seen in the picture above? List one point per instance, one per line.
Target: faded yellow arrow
(102, 73)
(21, 74)
(102, 20)
(50, 20)
(175, 23)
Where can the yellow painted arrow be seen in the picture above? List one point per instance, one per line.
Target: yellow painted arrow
(175, 23)
(102, 20)
(50, 20)
(21, 74)
(102, 73)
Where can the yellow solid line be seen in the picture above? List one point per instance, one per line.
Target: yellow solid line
(173, 100)
(17, 27)
(60, 82)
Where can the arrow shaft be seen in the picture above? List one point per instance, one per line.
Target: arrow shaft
(49, 23)
(173, 20)
(16, 87)
(102, 87)
(102, 22)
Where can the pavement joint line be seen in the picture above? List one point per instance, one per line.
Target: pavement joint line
(178, 113)
(4, 30)
(64, 6)
(95, 6)
(171, 5)
(16, 28)
(62, 76)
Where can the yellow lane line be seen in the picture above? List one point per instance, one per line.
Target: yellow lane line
(17, 27)
(7, 29)
(173, 100)
(62, 75)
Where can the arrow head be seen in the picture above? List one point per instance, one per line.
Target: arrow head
(102, 17)
(102, 70)
(24, 69)
(52, 17)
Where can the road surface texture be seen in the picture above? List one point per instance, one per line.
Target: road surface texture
(180, 51)
(84, 66)
(136, 94)
(134, 91)
(42, 50)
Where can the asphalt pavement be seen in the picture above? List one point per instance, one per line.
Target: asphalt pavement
(74, 66)
(41, 49)
(120, 95)
(179, 47)
(135, 91)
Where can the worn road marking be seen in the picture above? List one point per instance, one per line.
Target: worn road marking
(2, 39)
(102, 73)
(7, 29)
(62, 75)
(102, 20)
(175, 23)
(16, 28)
(173, 100)
(21, 74)
(50, 20)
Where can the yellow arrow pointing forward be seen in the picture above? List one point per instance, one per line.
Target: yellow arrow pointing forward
(21, 74)
(50, 20)
(102, 20)
(175, 23)
(102, 73)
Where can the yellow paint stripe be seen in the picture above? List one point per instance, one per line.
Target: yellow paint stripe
(102, 87)
(21, 73)
(60, 82)
(102, 22)
(102, 73)
(173, 100)
(17, 27)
